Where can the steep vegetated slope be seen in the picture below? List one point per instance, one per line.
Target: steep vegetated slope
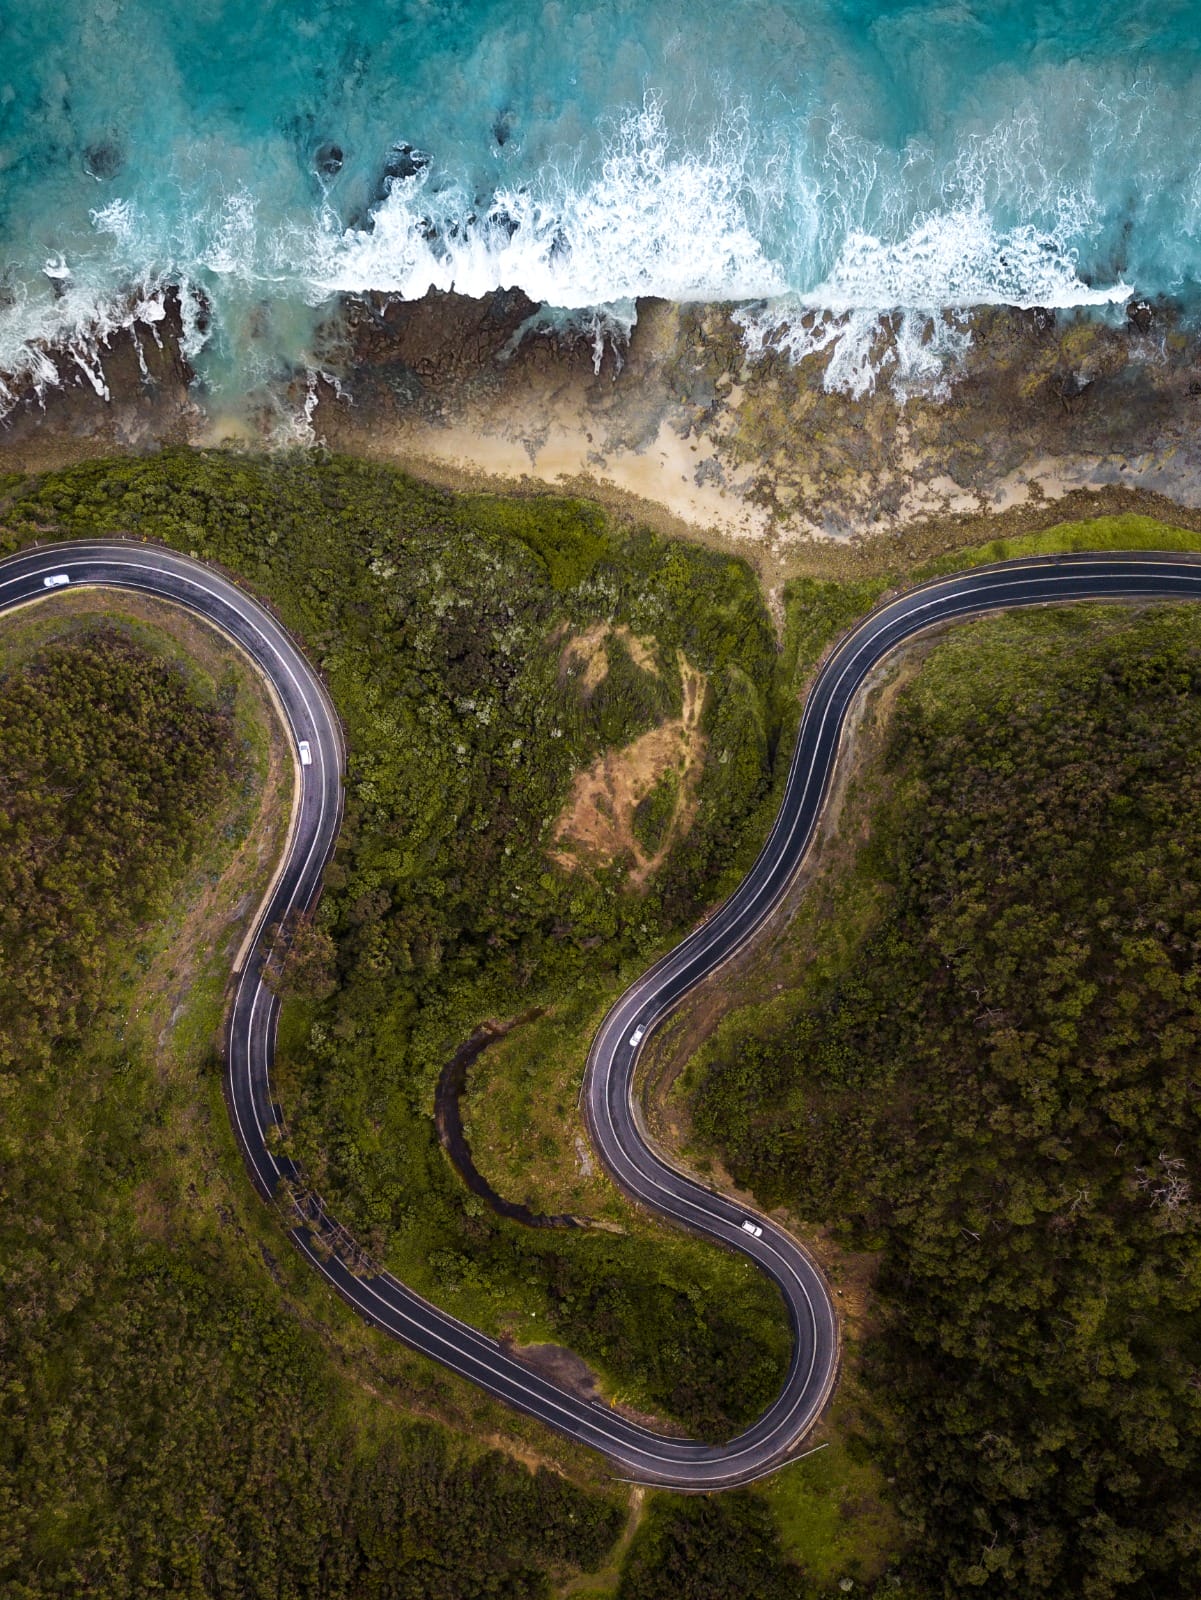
(104, 757)
(442, 625)
(990, 1090)
(996, 1088)
(168, 1424)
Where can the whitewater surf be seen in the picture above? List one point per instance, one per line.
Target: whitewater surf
(824, 165)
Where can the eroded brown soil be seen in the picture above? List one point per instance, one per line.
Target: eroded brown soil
(596, 826)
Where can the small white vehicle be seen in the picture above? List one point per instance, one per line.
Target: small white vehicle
(636, 1036)
(55, 580)
(306, 754)
(752, 1228)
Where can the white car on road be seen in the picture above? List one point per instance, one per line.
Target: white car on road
(306, 753)
(55, 580)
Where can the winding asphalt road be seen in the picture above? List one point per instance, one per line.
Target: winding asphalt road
(610, 1104)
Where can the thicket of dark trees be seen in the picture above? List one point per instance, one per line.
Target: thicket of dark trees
(102, 753)
(999, 1090)
(709, 1547)
(441, 623)
(167, 1424)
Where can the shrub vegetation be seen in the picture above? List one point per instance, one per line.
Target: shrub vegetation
(167, 1423)
(1005, 1046)
(441, 623)
(996, 1088)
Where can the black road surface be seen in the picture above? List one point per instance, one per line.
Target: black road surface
(612, 1113)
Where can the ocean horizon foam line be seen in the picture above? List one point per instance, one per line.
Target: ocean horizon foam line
(654, 221)
(927, 345)
(660, 221)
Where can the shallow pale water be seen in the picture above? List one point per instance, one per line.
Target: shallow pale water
(850, 156)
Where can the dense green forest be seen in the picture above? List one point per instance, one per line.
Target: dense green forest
(442, 624)
(167, 1424)
(1005, 1049)
(995, 1086)
(122, 1469)
(85, 838)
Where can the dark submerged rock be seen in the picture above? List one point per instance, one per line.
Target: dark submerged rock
(404, 161)
(103, 159)
(328, 160)
(503, 221)
(1140, 315)
(202, 311)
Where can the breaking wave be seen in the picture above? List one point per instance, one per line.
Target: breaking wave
(834, 179)
(655, 220)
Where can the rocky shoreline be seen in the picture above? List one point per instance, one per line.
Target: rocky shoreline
(686, 430)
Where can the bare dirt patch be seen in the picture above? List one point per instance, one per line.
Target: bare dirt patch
(597, 824)
(584, 653)
(558, 1364)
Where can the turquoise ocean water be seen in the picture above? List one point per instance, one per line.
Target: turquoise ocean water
(848, 156)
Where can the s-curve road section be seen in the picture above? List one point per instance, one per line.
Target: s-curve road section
(42, 573)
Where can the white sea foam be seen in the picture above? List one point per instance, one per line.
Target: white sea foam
(863, 255)
(655, 220)
(659, 222)
(917, 352)
(955, 259)
(894, 307)
(606, 328)
(291, 423)
(61, 328)
(43, 340)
